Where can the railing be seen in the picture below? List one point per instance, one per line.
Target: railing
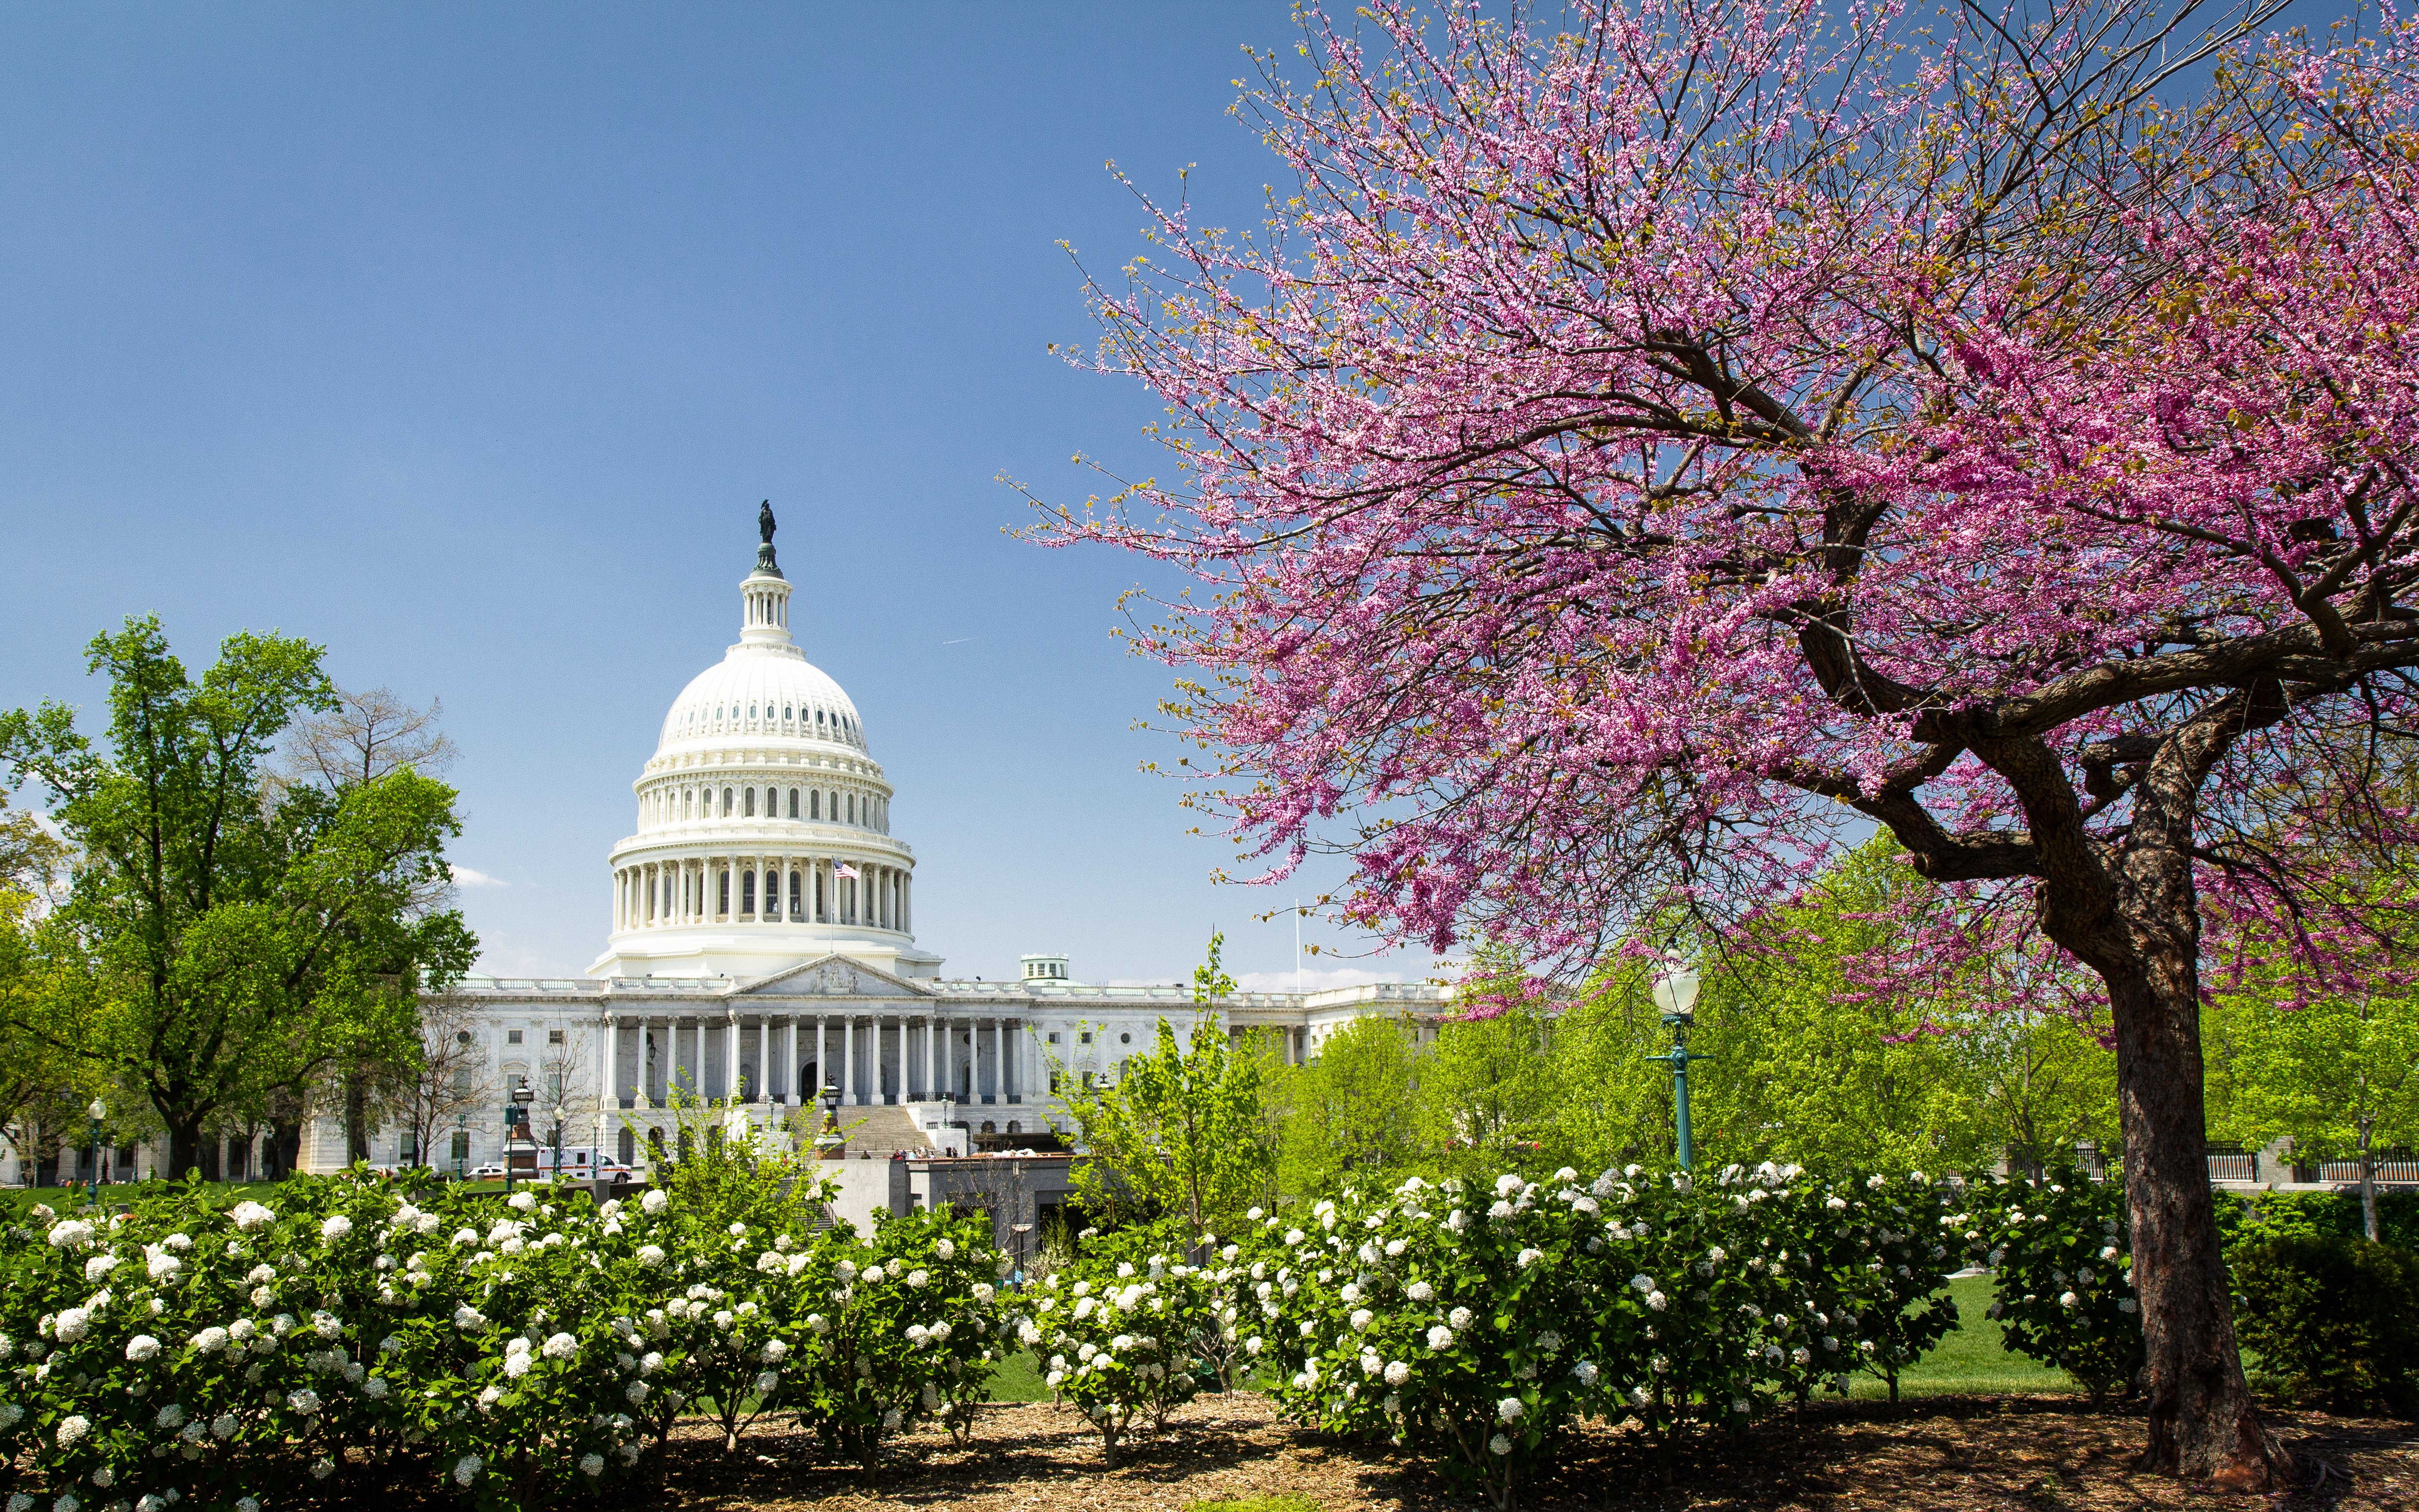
(2234, 1168)
(2396, 1172)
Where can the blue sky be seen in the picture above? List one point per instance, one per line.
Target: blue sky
(464, 340)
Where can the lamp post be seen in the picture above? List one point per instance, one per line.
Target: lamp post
(517, 1130)
(1675, 993)
(99, 1111)
(829, 1140)
(461, 1140)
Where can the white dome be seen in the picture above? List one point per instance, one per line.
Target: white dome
(759, 691)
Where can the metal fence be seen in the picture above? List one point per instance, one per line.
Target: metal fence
(2401, 1171)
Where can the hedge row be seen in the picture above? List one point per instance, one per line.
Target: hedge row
(356, 1333)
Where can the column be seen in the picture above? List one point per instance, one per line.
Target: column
(790, 1069)
(906, 910)
(764, 1059)
(933, 1057)
(731, 1057)
(604, 1083)
(848, 1060)
(999, 1061)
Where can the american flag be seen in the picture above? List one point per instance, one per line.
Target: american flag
(844, 869)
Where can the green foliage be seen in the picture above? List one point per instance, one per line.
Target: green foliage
(2062, 1257)
(1122, 1328)
(2335, 1321)
(1479, 1323)
(1344, 1113)
(353, 1333)
(2339, 1075)
(1488, 1094)
(2255, 1217)
(1181, 1131)
(1810, 1062)
(226, 940)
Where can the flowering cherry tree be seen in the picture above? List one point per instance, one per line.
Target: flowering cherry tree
(1632, 460)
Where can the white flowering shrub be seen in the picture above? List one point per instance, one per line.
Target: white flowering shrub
(1469, 1323)
(908, 1327)
(2063, 1263)
(1122, 1330)
(515, 1354)
(1478, 1324)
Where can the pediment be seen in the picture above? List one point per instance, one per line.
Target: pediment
(834, 976)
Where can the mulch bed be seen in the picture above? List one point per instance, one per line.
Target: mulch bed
(1951, 1454)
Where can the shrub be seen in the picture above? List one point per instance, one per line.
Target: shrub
(516, 1354)
(2063, 1275)
(2255, 1217)
(2335, 1321)
(1478, 1324)
(1121, 1327)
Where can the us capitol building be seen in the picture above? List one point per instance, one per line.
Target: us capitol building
(763, 945)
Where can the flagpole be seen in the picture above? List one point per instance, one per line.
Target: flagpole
(1297, 947)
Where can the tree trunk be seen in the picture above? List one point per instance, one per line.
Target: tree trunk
(288, 1139)
(2128, 908)
(184, 1147)
(2368, 1181)
(357, 1117)
(2202, 1424)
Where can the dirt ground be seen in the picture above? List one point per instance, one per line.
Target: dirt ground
(1954, 1453)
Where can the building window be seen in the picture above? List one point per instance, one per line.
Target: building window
(726, 803)
(1054, 1037)
(512, 1037)
(787, 714)
(462, 1037)
(814, 805)
(748, 891)
(461, 1145)
(793, 803)
(1125, 1038)
(1086, 1038)
(723, 895)
(554, 1036)
(797, 895)
(852, 807)
(1054, 1084)
(748, 806)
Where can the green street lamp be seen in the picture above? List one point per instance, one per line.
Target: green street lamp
(1675, 993)
(461, 1141)
(98, 1110)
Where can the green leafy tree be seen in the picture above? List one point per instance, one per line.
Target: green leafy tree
(43, 1088)
(1348, 1113)
(1180, 1132)
(225, 939)
(1614, 1103)
(1489, 1091)
(2338, 1074)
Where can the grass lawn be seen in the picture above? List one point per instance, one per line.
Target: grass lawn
(1018, 1379)
(16, 1200)
(1969, 1363)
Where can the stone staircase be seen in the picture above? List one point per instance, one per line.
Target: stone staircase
(880, 1131)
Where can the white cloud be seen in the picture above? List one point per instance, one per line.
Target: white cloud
(466, 877)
